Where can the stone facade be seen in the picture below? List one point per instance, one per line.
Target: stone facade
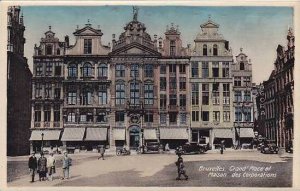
(243, 102)
(211, 88)
(18, 86)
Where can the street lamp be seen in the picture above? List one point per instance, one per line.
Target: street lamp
(42, 142)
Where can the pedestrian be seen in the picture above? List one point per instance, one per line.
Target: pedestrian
(67, 162)
(222, 146)
(42, 167)
(167, 148)
(51, 166)
(180, 169)
(102, 151)
(32, 164)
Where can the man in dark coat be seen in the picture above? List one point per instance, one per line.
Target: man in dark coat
(32, 164)
(42, 167)
(180, 168)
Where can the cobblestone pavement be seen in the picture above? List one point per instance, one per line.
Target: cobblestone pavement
(254, 169)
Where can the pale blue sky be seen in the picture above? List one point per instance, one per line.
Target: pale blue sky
(257, 29)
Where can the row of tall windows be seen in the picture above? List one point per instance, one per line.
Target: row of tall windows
(205, 70)
(204, 116)
(86, 96)
(205, 50)
(240, 111)
(134, 70)
(47, 91)
(47, 69)
(99, 117)
(47, 113)
(173, 117)
(215, 94)
(135, 94)
(238, 96)
(87, 70)
(173, 68)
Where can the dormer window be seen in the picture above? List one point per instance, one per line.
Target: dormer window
(204, 50)
(215, 50)
(242, 66)
(172, 48)
(87, 46)
(49, 50)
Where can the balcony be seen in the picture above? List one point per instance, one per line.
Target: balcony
(56, 124)
(37, 124)
(46, 124)
(173, 108)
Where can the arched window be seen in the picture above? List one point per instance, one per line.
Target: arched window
(204, 50)
(49, 49)
(242, 66)
(102, 70)
(58, 51)
(87, 70)
(215, 50)
(72, 70)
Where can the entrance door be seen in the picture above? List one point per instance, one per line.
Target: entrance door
(134, 137)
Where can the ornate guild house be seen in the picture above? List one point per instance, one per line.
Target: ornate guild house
(139, 89)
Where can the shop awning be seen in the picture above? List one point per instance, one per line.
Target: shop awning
(223, 133)
(150, 134)
(49, 135)
(119, 134)
(73, 134)
(246, 132)
(96, 134)
(173, 133)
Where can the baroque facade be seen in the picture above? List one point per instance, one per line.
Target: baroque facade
(137, 89)
(243, 102)
(211, 87)
(18, 85)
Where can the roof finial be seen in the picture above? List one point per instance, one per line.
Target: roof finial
(88, 21)
(209, 17)
(135, 11)
(241, 49)
(50, 28)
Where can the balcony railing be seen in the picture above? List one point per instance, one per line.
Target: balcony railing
(46, 124)
(173, 107)
(37, 124)
(56, 124)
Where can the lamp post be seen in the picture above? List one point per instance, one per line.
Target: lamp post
(42, 142)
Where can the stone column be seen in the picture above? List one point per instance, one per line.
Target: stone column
(61, 117)
(33, 90)
(42, 116)
(32, 116)
(51, 116)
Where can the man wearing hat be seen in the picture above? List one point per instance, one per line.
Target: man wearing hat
(32, 164)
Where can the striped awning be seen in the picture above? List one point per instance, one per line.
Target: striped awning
(246, 132)
(150, 134)
(119, 134)
(73, 134)
(223, 133)
(96, 134)
(49, 135)
(173, 133)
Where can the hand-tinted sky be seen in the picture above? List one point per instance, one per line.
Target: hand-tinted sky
(257, 29)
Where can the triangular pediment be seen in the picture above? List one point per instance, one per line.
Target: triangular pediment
(135, 49)
(88, 31)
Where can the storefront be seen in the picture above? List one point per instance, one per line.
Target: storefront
(72, 138)
(175, 137)
(223, 134)
(46, 139)
(119, 137)
(95, 136)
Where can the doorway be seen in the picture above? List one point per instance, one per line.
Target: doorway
(134, 137)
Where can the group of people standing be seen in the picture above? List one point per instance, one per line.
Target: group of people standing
(45, 167)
